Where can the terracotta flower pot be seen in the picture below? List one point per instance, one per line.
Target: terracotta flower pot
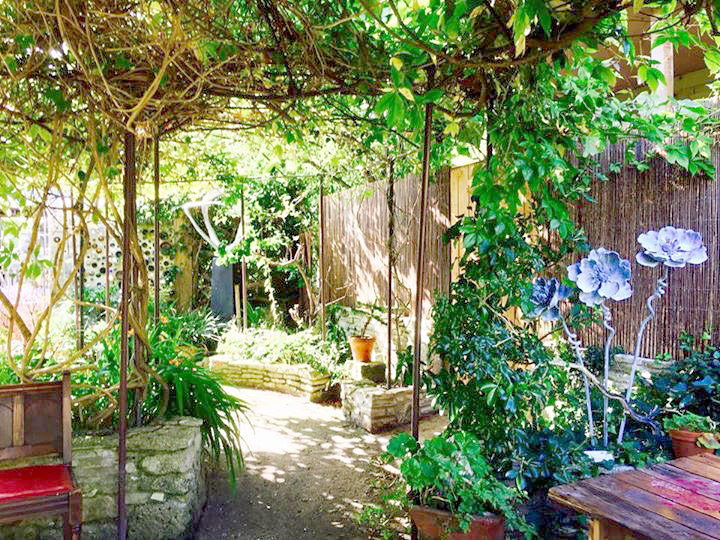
(361, 348)
(684, 443)
(434, 524)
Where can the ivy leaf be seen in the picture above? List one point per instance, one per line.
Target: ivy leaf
(712, 60)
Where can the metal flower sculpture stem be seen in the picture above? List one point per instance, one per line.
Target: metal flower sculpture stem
(659, 292)
(577, 349)
(607, 323)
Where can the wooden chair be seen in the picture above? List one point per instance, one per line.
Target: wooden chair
(35, 421)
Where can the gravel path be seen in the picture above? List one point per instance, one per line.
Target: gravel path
(307, 473)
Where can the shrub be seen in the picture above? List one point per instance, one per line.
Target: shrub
(273, 345)
(693, 383)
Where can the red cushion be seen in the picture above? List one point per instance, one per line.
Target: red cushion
(37, 481)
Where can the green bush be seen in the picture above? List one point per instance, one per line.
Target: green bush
(276, 346)
(451, 472)
(177, 346)
(693, 383)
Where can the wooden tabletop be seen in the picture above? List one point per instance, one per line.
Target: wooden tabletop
(677, 500)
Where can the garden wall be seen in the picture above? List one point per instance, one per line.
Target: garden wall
(375, 408)
(166, 488)
(295, 379)
(633, 202)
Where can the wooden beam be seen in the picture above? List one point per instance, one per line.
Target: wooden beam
(663, 54)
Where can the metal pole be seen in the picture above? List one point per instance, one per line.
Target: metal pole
(415, 419)
(243, 262)
(156, 310)
(107, 264)
(128, 220)
(323, 330)
(77, 281)
(391, 234)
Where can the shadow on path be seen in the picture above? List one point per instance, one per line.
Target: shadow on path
(307, 473)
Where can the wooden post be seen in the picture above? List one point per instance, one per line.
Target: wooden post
(415, 419)
(323, 325)
(128, 220)
(156, 163)
(243, 263)
(663, 54)
(391, 234)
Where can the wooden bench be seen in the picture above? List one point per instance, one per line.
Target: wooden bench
(35, 421)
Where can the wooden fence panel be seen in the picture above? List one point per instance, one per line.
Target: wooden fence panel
(356, 242)
(632, 203)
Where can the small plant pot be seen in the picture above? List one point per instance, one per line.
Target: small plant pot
(361, 347)
(684, 443)
(435, 524)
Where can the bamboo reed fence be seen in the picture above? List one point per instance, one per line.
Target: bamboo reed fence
(633, 202)
(356, 236)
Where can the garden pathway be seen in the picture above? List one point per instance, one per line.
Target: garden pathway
(307, 473)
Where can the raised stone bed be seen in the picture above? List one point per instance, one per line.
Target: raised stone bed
(295, 379)
(375, 408)
(166, 488)
(647, 368)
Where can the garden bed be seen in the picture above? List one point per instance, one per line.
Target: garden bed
(375, 408)
(647, 368)
(166, 488)
(296, 379)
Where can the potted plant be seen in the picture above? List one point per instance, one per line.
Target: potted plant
(361, 345)
(458, 496)
(692, 434)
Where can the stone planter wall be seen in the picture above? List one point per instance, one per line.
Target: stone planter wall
(375, 408)
(166, 488)
(647, 368)
(295, 379)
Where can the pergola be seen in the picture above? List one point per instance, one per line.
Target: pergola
(146, 69)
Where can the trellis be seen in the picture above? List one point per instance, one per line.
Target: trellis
(145, 72)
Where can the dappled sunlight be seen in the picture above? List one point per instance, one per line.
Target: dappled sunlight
(303, 463)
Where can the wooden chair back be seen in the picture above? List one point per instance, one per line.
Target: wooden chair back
(35, 420)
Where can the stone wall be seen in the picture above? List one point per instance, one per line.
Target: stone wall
(295, 379)
(647, 368)
(166, 488)
(375, 408)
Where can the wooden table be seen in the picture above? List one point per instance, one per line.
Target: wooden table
(677, 500)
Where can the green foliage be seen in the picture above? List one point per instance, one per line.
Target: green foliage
(692, 384)
(451, 472)
(177, 346)
(273, 345)
(390, 505)
(690, 422)
(195, 391)
(336, 334)
(501, 384)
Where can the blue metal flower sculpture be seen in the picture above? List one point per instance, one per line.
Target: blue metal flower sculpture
(545, 297)
(602, 274)
(672, 247)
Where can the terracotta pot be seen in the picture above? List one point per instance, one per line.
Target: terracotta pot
(361, 348)
(684, 443)
(434, 524)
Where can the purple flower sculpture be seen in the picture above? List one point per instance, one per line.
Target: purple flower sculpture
(672, 247)
(600, 275)
(545, 297)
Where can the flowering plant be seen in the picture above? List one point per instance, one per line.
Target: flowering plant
(604, 275)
